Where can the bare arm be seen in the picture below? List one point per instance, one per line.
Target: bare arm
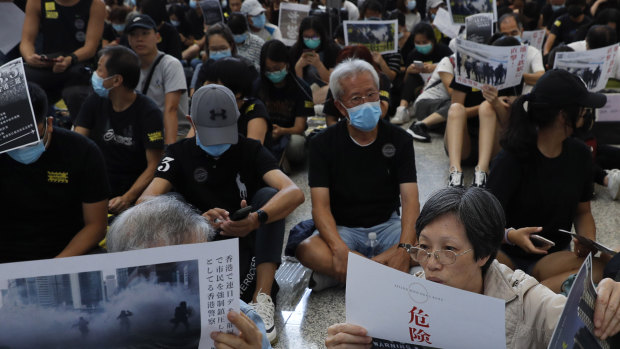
(171, 123)
(531, 79)
(324, 220)
(446, 79)
(410, 212)
(584, 226)
(158, 186)
(257, 128)
(95, 220)
(549, 44)
(29, 34)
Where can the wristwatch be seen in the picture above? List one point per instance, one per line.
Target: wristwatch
(74, 59)
(407, 247)
(263, 217)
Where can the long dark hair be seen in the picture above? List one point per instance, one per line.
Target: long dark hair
(311, 22)
(276, 51)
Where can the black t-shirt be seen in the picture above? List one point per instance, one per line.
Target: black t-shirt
(206, 182)
(63, 28)
(439, 51)
(543, 192)
(123, 137)
(565, 29)
(549, 15)
(408, 47)
(253, 108)
(329, 107)
(109, 33)
(42, 202)
(363, 182)
(286, 103)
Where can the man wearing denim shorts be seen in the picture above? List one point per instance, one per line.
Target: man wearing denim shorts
(360, 170)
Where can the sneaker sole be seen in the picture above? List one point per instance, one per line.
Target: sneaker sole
(418, 137)
(273, 335)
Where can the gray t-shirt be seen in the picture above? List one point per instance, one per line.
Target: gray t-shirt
(168, 76)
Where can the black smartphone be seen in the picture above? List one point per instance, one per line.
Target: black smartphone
(241, 213)
(540, 241)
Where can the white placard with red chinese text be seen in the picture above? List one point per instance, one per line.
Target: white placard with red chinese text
(158, 297)
(534, 38)
(398, 307)
(498, 66)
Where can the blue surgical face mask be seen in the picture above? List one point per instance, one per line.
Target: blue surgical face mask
(214, 150)
(97, 83)
(192, 3)
(424, 49)
(557, 7)
(131, 3)
(241, 38)
(373, 18)
(411, 5)
(216, 55)
(29, 154)
(432, 16)
(175, 23)
(518, 37)
(365, 116)
(259, 21)
(118, 27)
(312, 43)
(276, 76)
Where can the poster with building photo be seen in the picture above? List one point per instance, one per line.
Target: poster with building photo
(378, 36)
(289, 20)
(533, 38)
(478, 64)
(168, 297)
(18, 126)
(479, 27)
(461, 9)
(443, 22)
(593, 66)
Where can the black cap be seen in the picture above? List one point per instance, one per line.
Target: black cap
(557, 88)
(140, 21)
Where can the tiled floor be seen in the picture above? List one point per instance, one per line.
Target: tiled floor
(303, 316)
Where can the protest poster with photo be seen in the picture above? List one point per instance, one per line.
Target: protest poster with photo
(166, 297)
(498, 66)
(611, 111)
(479, 27)
(289, 20)
(378, 36)
(400, 310)
(18, 126)
(533, 38)
(594, 67)
(211, 11)
(575, 329)
(461, 9)
(443, 22)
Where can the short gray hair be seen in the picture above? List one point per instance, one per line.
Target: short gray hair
(159, 221)
(349, 68)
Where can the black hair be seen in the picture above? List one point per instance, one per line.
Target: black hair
(315, 23)
(221, 29)
(372, 5)
(124, 62)
(600, 36)
(510, 15)
(480, 213)
(233, 73)
(238, 23)
(499, 39)
(119, 14)
(156, 9)
(38, 98)
(559, 48)
(179, 11)
(425, 29)
(276, 51)
(398, 15)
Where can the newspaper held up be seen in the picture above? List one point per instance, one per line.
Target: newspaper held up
(594, 67)
(378, 36)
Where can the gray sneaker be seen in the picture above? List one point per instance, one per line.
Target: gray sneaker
(613, 183)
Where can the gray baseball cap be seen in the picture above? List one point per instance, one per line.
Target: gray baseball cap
(215, 113)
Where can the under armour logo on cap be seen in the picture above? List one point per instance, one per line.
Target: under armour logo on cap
(215, 114)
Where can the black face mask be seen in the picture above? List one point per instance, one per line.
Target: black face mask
(574, 10)
(588, 120)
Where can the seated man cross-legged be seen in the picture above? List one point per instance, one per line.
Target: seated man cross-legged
(219, 172)
(358, 169)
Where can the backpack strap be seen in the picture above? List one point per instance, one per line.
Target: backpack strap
(147, 82)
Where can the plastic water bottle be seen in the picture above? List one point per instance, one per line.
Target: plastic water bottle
(371, 244)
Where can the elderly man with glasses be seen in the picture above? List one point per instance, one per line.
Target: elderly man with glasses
(360, 171)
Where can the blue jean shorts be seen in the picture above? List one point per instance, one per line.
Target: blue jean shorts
(388, 235)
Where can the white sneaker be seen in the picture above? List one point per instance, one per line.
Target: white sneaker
(265, 309)
(401, 116)
(455, 178)
(613, 183)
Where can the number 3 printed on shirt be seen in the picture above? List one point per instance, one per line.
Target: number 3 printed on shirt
(165, 164)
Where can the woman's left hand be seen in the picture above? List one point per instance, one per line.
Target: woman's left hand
(607, 309)
(582, 250)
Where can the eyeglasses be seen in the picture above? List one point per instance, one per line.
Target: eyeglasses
(444, 257)
(370, 97)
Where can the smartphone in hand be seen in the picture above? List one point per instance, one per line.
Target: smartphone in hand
(541, 242)
(241, 213)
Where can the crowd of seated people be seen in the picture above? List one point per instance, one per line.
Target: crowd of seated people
(137, 99)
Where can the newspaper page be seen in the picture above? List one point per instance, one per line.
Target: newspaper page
(18, 126)
(400, 310)
(499, 66)
(575, 329)
(443, 22)
(167, 297)
(534, 38)
(611, 111)
(378, 36)
(594, 67)
(460, 9)
(289, 20)
(479, 27)
(12, 19)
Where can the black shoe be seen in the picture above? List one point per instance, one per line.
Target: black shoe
(419, 132)
(455, 178)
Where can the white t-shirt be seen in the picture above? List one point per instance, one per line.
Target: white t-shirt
(580, 46)
(435, 88)
(533, 64)
(352, 10)
(168, 76)
(411, 19)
